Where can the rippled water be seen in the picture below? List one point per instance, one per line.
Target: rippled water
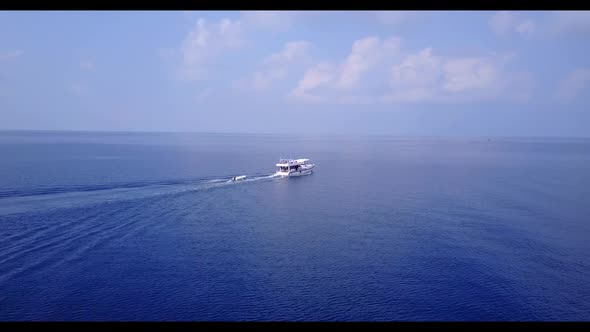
(121, 226)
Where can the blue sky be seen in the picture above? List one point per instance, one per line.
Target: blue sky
(401, 73)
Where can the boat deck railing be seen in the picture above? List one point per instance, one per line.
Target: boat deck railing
(293, 161)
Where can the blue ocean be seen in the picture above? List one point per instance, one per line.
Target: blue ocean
(146, 226)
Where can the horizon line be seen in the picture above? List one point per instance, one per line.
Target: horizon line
(284, 133)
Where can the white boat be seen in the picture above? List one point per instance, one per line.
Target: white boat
(294, 167)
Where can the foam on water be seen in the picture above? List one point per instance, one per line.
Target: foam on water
(21, 201)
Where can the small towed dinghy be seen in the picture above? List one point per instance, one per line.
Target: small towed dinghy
(238, 178)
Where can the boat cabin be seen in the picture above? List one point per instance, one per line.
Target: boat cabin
(291, 165)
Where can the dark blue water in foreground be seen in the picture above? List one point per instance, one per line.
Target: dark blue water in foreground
(115, 226)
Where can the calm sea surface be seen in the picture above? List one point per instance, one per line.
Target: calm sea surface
(145, 226)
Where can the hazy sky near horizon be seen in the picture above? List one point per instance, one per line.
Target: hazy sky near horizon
(402, 73)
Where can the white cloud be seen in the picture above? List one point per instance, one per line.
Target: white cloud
(315, 77)
(426, 77)
(417, 77)
(206, 42)
(503, 23)
(10, 55)
(277, 66)
(375, 69)
(574, 83)
(421, 69)
(292, 51)
(366, 54)
(262, 80)
(464, 74)
(87, 65)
